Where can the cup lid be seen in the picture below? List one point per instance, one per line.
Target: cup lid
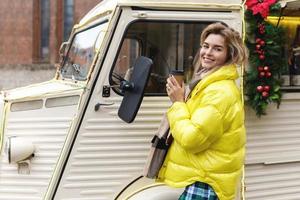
(177, 72)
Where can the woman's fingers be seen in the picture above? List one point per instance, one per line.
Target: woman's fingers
(168, 87)
(182, 84)
(174, 81)
(174, 90)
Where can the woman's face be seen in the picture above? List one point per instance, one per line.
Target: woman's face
(213, 52)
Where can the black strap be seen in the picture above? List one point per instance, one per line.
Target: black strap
(159, 143)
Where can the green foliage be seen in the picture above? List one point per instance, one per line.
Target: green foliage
(268, 53)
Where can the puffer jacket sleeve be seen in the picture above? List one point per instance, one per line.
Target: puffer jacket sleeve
(197, 131)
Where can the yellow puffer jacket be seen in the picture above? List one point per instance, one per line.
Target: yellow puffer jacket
(209, 136)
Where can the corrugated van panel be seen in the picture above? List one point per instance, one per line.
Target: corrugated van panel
(273, 153)
(275, 137)
(273, 182)
(109, 152)
(47, 129)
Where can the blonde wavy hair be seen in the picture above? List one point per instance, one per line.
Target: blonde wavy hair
(237, 51)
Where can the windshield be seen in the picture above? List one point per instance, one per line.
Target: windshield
(82, 51)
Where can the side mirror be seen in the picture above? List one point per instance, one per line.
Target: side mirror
(133, 97)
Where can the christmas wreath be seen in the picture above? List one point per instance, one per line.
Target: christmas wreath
(265, 42)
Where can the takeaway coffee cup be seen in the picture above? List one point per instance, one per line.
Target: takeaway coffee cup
(178, 75)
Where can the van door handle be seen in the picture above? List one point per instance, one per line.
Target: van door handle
(97, 106)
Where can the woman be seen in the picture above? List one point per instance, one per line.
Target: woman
(208, 150)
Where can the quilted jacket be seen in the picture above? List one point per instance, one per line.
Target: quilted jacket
(209, 136)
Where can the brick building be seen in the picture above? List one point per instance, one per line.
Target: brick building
(31, 33)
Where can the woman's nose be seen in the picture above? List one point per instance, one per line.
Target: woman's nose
(208, 51)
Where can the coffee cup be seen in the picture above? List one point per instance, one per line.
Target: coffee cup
(178, 75)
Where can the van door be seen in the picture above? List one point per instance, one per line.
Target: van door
(109, 153)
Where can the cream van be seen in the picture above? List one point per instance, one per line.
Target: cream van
(85, 134)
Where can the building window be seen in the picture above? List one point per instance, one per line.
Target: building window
(45, 29)
(68, 18)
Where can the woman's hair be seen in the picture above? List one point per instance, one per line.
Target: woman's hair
(237, 51)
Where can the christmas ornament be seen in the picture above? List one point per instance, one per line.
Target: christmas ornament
(262, 56)
(266, 68)
(265, 43)
(260, 88)
(266, 88)
(264, 94)
(261, 7)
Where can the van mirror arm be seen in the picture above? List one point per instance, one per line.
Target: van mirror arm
(126, 85)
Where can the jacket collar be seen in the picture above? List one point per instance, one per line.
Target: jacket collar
(227, 72)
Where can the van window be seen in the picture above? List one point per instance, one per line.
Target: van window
(130, 50)
(82, 52)
(171, 46)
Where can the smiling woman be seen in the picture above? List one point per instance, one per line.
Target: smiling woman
(208, 128)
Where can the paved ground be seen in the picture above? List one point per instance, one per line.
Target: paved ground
(13, 76)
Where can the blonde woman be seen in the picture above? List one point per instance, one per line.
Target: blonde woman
(207, 154)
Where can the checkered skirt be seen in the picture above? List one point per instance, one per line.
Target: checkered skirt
(198, 191)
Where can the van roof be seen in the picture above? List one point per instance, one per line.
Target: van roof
(106, 7)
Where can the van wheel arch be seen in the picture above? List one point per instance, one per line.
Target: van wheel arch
(146, 189)
(158, 192)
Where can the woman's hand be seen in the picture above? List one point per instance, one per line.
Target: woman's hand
(175, 91)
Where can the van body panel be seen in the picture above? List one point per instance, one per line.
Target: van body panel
(43, 114)
(272, 156)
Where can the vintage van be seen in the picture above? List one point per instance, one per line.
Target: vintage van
(85, 134)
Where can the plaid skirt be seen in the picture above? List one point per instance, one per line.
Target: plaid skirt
(198, 191)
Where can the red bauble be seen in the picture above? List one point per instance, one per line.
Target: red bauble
(257, 40)
(261, 74)
(261, 30)
(265, 94)
(262, 43)
(266, 68)
(268, 74)
(257, 46)
(267, 88)
(260, 88)
(262, 57)
(260, 68)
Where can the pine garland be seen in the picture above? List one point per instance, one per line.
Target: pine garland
(265, 42)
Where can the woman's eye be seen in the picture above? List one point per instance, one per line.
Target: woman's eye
(218, 49)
